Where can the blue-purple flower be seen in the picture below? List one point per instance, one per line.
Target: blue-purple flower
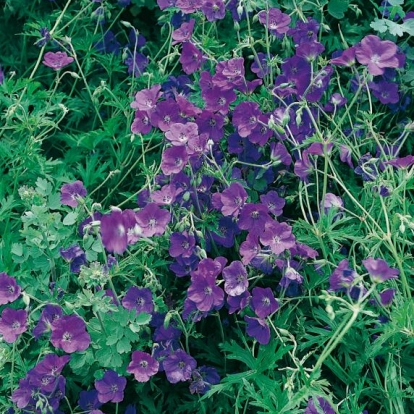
(9, 289)
(110, 387)
(143, 366)
(70, 193)
(179, 366)
(13, 323)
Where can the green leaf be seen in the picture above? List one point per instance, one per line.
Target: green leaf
(17, 249)
(337, 8)
(123, 345)
(379, 25)
(142, 318)
(70, 218)
(395, 2)
(408, 27)
(394, 28)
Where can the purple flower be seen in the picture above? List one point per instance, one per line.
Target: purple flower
(254, 217)
(347, 58)
(180, 134)
(273, 202)
(108, 44)
(143, 366)
(263, 302)
(278, 236)
(57, 60)
(226, 231)
(245, 117)
(305, 31)
(110, 387)
(182, 244)
(137, 63)
(141, 123)
(75, 256)
(173, 160)
(88, 400)
(260, 66)
(166, 195)
(179, 366)
(204, 292)
(146, 99)
(12, 323)
(190, 58)
(139, 299)
(303, 167)
(117, 229)
(342, 277)
(202, 379)
(332, 202)
(69, 333)
(250, 248)
(387, 296)
(233, 199)
(279, 154)
(71, 192)
(9, 289)
(1, 75)
(377, 54)
(258, 329)
(152, 219)
(379, 270)
(237, 303)
(218, 99)
(213, 10)
(309, 50)
(276, 21)
(235, 278)
(321, 407)
(385, 92)
(184, 32)
(404, 162)
(50, 314)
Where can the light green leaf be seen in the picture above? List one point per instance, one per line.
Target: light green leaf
(70, 218)
(395, 29)
(408, 27)
(337, 8)
(395, 2)
(17, 249)
(123, 345)
(379, 25)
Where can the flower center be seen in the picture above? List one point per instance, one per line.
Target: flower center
(143, 364)
(114, 388)
(10, 289)
(67, 337)
(15, 325)
(208, 290)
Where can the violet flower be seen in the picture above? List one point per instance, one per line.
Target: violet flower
(190, 58)
(50, 314)
(88, 400)
(259, 329)
(143, 366)
(184, 32)
(263, 302)
(75, 256)
(273, 202)
(181, 244)
(9, 289)
(379, 270)
(202, 379)
(377, 54)
(110, 387)
(69, 333)
(146, 99)
(232, 199)
(385, 92)
(276, 21)
(245, 117)
(173, 160)
(278, 236)
(13, 323)
(139, 299)
(321, 407)
(152, 219)
(57, 60)
(235, 278)
(342, 277)
(204, 292)
(71, 192)
(213, 10)
(179, 366)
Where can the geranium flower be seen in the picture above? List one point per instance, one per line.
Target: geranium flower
(276, 21)
(232, 199)
(139, 299)
(179, 366)
(88, 400)
(204, 292)
(50, 314)
(245, 117)
(9, 289)
(75, 256)
(173, 160)
(69, 193)
(278, 236)
(110, 387)
(152, 219)
(320, 407)
(342, 277)
(12, 323)
(235, 278)
(213, 10)
(57, 60)
(143, 366)
(259, 329)
(190, 58)
(202, 379)
(263, 302)
(377, 54)
(69, 333)
(379, 270)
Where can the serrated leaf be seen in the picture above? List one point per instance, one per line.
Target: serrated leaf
(43, 186)
(91, 256)
(70, 218)
(379, 25)
(123, 345)
(97, 246)
(17, 249)
(395, 2)
(337, 8)
(408, 26)
(142, 318)
(394, 28)
(112, 339)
